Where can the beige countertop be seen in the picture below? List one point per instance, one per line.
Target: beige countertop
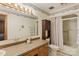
(6, 42)
(14, 41)
(23, 47)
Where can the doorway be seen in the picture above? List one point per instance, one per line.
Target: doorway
(3, 27)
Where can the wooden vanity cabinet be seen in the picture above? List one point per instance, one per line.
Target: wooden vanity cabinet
(39, 51)
(46, 29)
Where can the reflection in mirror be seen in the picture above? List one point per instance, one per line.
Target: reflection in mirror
(2, 27)
(18, 24)
(34, 28)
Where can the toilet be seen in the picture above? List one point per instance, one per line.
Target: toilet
(53, 50)
(2, 52)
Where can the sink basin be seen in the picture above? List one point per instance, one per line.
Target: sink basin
(2, 52)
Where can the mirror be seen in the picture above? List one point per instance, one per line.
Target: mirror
(18, 24)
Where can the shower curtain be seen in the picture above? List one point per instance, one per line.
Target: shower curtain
(56, 31)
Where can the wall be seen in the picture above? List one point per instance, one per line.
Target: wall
(15, 23)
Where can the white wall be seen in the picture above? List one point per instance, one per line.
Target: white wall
(15, 22)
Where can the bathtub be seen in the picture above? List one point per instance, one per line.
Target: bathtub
(68, 51)
(64, 51)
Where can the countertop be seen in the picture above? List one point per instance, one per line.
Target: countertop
(15, 41)
(21, 48)
(10, 42)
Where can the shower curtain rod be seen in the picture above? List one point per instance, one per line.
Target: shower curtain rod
(70, 18)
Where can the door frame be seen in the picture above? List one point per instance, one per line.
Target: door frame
(5, 26)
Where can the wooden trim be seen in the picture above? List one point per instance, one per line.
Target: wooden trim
(5, 29)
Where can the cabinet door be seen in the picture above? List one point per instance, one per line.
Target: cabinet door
(46, 26)
(33, 52)
(43, 50)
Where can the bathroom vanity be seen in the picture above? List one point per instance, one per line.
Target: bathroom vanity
(42, 50)
(35, 48)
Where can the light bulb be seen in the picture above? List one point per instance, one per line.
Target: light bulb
(9, 3)
(16, 5)
(25, 9)
(21, 7)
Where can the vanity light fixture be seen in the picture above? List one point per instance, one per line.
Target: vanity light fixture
(30, 11)
(26, 10)
(22, 9)
(17, 7)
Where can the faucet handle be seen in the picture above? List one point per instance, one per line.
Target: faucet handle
(29, 40)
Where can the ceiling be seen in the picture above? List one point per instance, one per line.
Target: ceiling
(57, 6)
